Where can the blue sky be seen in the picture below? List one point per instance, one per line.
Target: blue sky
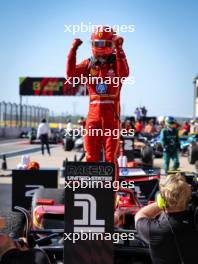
(162, 52)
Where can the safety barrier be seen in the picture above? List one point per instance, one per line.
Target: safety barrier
(16, 115)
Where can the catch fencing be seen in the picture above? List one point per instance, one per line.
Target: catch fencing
(16, 115)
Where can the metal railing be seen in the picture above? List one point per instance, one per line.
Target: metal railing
(16, 115)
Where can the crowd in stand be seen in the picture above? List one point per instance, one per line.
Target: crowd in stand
(151, 127)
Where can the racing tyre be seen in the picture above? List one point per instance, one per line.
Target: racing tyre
(196, 166)
(147, 155)
(68, 144)
(55, 140)
(15, 223)
(158, 151)
(193, 153)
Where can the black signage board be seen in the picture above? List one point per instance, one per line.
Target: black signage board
(89, 211)
(145, 182)
(26, 182)
(48, 86)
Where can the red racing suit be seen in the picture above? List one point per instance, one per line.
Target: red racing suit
(103, 120)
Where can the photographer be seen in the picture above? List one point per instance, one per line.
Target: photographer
(167, 226)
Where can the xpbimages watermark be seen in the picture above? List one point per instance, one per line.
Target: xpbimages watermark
(86, 183)
(96, 132)
(92, 236)
(89, 27)
(115, 81)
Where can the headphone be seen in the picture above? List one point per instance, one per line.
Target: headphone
(161, 202)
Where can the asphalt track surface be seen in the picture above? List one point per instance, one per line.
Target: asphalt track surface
(5, 196)
(13, 148)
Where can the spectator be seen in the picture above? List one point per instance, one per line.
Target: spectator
(138, 127)
(160, 125)
(138, 113)
(42, 134)
(82, 122)
(69, 125)
(127, 125)
(186, 128)
(149, 128)
(167, 226)
(143, 111)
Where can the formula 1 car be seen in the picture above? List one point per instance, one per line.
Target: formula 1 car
(189, 145)
(137, 148)
(51, 240)
(73, 140)
(32, 135)
(48, 204)
(156, 146)
(45, 223)
(193, 152)
(184, 144)
(132, 147)
(54, 137)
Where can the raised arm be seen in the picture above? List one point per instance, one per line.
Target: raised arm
(72, 69)
(121, 61)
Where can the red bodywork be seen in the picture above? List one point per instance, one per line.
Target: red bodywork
(127, 200)
(126, 204)
(41, 210)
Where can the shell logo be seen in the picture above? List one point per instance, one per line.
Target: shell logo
(93, 72)
(100, 34)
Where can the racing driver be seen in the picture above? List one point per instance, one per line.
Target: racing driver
(108, 61)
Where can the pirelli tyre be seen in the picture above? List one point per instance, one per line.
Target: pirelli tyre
(158, 151)
(147, 155)
(68, 143)
(193, 153)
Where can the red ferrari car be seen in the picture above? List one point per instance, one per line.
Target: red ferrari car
(48, 204)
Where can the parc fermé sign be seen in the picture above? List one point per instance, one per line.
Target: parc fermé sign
(88, 213)
(45, 86)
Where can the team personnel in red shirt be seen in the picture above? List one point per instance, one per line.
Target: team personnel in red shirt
(186, 128)
(138, 127)
(108, 60)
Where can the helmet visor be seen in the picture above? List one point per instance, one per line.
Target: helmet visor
(102, 44)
